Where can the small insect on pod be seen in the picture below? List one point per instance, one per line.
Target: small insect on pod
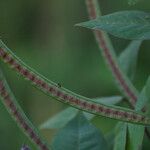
(59, 85)
(25, 147)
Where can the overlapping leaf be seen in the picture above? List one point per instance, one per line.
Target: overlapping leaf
(79, 134)
(124, 24)
(121, 136)
(135, 137)
(135, 132)
(128, 58)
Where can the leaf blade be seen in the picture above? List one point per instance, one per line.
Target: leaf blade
(134, 25)
(135, 136)
(121, 136)
(128, 58)
(78, 135)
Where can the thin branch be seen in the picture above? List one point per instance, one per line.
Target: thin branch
(68, 97)
(18, 114)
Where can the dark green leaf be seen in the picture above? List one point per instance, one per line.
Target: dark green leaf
(110, 139)
(128, 58)
(124, 24)
(79, 134)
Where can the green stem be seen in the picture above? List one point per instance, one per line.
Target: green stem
(68, 97)
(125, 85)
(18, 114)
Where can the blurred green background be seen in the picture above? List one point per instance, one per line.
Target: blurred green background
(42, 33)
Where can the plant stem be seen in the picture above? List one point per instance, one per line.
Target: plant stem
(107, 50)
(18, 114)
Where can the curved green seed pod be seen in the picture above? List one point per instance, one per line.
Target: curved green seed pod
(18, 114)
(68, 97)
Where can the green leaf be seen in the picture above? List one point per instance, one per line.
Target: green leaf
(142, 100)
(128, 58)
(135, 136)
(136, 132)
(79, 134)
(121, 136)
(132, 2)
(63, 117)
(144, 97)
(148, 88)
(123, 24)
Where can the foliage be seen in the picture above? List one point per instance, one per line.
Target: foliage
(133, 25)
(75, 128)
(78, 133)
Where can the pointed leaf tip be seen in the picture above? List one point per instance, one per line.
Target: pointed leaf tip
(133, 25)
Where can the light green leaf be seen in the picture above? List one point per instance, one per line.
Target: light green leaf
(123, 24)
(144, 97)
(112, 100)
(135, 136)
(121, 136)
(128, 58)
(132, 2)
(79, 134)
(142, 100)
(63, 117)
(136, 132)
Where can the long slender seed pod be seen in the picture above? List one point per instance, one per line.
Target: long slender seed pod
(19, 116)
(66, 96)
(107, 50)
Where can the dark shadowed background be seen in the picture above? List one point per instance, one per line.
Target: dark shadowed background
(42, 33)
